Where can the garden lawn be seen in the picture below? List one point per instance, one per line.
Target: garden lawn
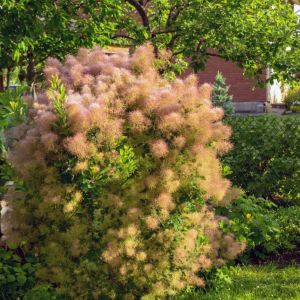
(255, 283)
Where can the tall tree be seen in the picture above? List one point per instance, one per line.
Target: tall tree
(253, 33)
(32, 30)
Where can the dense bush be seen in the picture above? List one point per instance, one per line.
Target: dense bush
(120, 175)
(265, 160)
(265, 227)
(16, 274)
(220, 96)
(289, 223)
(293, 97)
(42, 292)
(13, 110)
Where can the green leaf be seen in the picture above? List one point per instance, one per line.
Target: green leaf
(21, 279)
(10, 278)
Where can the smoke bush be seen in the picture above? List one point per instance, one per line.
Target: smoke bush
(121, 174)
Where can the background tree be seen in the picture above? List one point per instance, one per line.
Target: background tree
(255, 34)
(220, 96)
(32, 30)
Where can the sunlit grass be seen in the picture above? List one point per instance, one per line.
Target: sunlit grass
(254, 283)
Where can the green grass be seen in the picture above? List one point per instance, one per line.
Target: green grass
(254, 283)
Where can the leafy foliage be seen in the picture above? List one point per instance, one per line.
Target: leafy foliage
(254, 33)
(57, 94)
(220, 96)
(32, 30)
(16, 274)
(120, 204)
(265, 159)
(13, 110)
(293, 97)
(265, 227)
(42, 292)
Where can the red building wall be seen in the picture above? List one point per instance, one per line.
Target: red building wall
(240, 87)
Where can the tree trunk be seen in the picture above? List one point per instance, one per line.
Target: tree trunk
(1, 81)
(30, 75)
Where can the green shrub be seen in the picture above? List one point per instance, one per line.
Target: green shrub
(293, 97)
(295, 108)
(265, 227)
(289, 223)
(13, 110)
(120, 174)
(265, 160)
(42, 292)
(17, 274)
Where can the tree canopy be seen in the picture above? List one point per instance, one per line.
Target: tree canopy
(253, 33)
(32, 30)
